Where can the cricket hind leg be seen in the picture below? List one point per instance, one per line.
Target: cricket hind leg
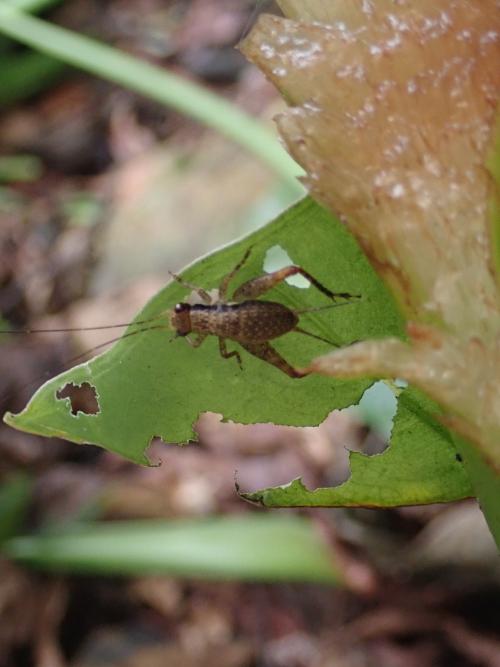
(308, 333)
(257, 286)
(203, 294)
(228, 355)
(227, 278)
(267, 353)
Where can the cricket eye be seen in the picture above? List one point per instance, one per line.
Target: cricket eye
(181, 307)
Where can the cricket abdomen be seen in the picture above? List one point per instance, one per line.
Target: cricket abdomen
(249, 321)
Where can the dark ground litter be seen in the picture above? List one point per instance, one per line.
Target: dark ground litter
(411, 599)
(105, 621)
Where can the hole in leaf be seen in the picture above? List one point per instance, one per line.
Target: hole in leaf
(83, 398)
(276, 258)
(377, 409)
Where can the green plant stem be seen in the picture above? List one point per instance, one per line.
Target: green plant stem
(154, 82)
(486, 484)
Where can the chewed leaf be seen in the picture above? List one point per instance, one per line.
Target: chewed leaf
(420, 466)
(148, 385)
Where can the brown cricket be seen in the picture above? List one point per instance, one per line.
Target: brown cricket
(244, 319)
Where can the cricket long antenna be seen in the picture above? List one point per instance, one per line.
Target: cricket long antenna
(330, 305)
(250, 20)
(308, 333)
(82, 355)
(75, 329)
(110, 342)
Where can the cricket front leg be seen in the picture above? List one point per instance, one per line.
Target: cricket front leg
(257, 286)
(203, 294)
(227, 355)
(197, 341)
(267, 353)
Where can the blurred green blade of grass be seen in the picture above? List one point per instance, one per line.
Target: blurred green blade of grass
(252, 547)
(153, 82)
(15, 168)
(26, 74)
(32, 5)
(15, 494)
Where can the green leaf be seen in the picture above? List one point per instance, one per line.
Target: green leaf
(148, 386)
(252, 547)
(420, 466)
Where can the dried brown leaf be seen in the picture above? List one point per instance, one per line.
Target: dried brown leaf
(393, 115)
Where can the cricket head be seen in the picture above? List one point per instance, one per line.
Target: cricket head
(180, 319)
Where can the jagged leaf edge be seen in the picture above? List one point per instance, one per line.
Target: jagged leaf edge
(411, 404)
